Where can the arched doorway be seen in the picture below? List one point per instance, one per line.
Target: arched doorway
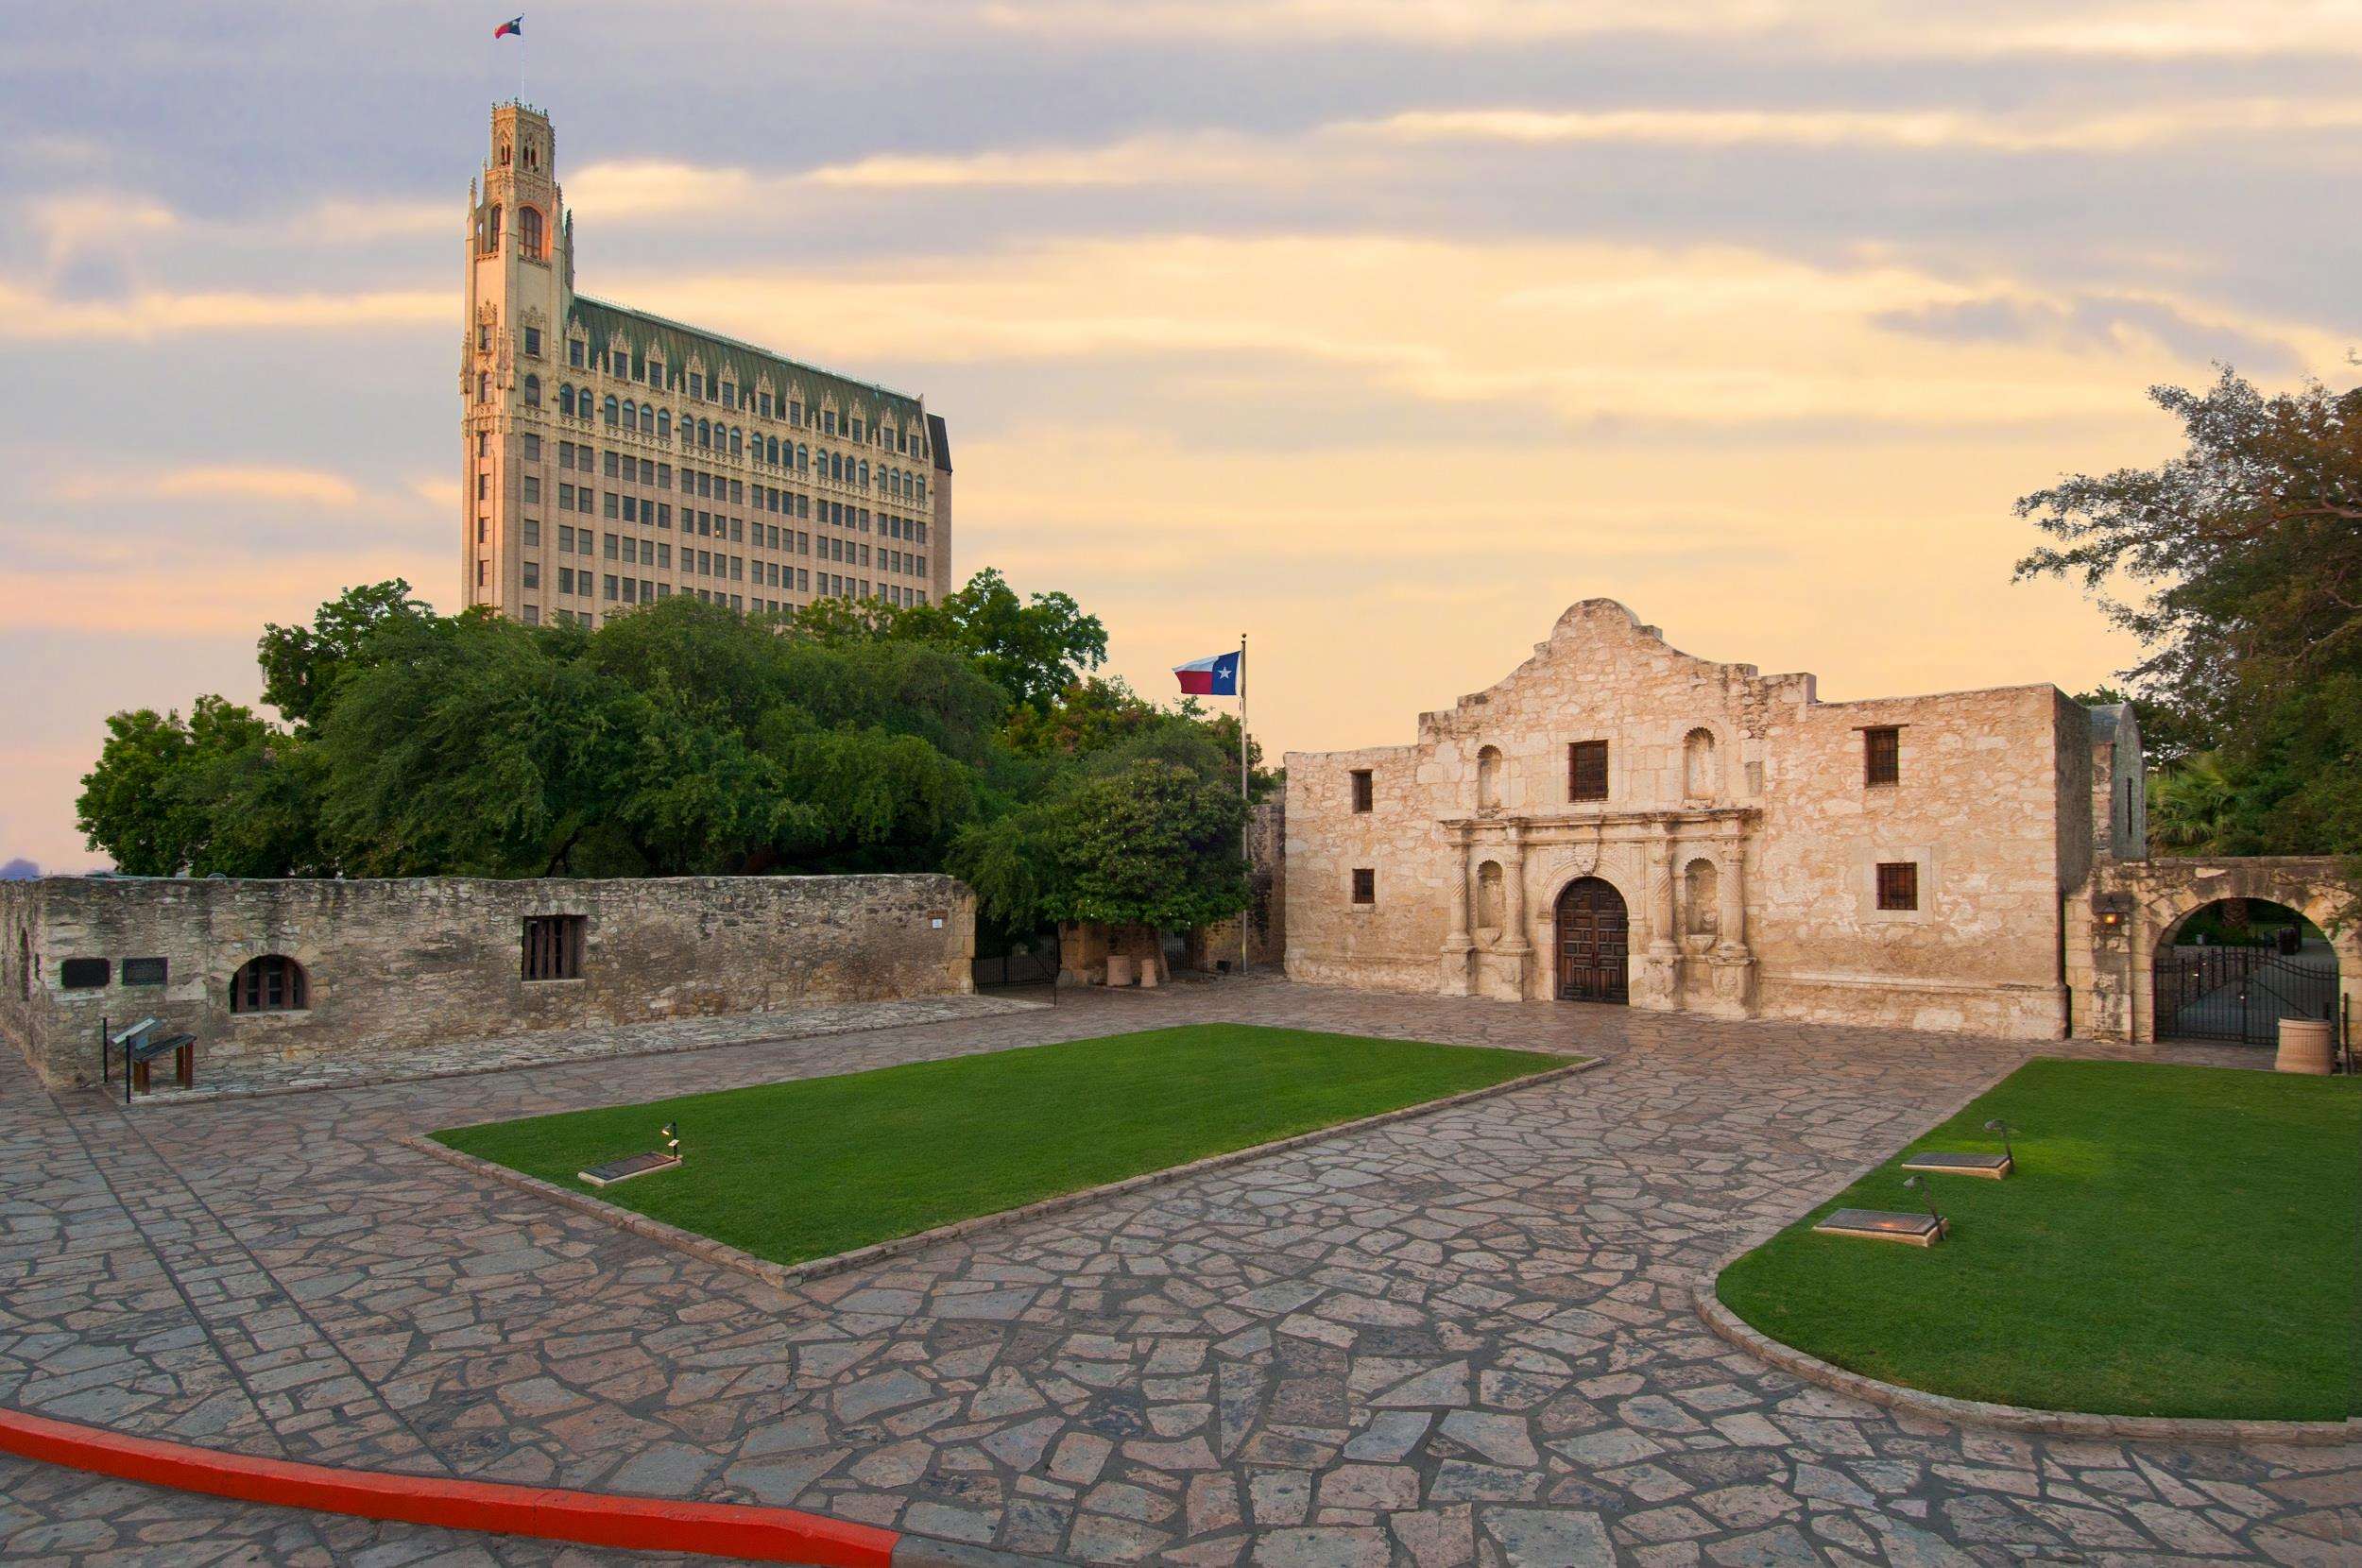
(1593, 941)
(2234, 968)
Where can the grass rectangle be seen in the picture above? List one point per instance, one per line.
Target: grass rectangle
(2176, 1241)
(820, 1165)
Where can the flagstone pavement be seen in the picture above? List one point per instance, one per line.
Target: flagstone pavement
(1462, 1339)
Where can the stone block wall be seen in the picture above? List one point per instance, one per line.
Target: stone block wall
(389, 965)
(1739, 829)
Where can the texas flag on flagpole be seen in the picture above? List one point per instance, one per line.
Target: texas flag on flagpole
(1217, 676)
(513, 27)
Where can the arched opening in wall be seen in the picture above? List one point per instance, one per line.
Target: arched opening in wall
(271, 983)
(533, 391)
(2234, 968)
(1492, 898)
(529, 233)
(1489, 780)
(1701, 772)
(491, 228)
(1593, 942)
(1702, 899)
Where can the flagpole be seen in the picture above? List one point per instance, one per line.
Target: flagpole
(1246, 832)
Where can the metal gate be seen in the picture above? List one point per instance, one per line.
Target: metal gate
(1025, 963)
(2241, 993)
(1592, 940)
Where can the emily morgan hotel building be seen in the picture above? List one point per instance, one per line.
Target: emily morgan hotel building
(612, 458)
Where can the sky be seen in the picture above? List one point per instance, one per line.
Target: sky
(1377, 329)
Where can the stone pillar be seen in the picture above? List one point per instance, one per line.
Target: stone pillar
(1732, 963)
(1453, 976)
(1513, 894)
(1659, 985)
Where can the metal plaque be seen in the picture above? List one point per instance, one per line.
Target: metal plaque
(626, 1167)
(1919, 1229)
(1993, 1167)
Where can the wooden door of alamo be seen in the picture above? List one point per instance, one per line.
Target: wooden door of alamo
(1592, 939)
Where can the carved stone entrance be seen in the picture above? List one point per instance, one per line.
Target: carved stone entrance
(1594, 941)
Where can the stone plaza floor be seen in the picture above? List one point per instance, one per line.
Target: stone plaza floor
(1461, 1338)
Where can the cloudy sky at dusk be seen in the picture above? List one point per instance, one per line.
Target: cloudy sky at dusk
(1380, 329)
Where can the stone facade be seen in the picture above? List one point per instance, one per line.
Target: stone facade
(1740, 831)
(391, 966)
(2130, 910)
(610, 458)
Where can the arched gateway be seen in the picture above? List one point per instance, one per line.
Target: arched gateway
(1594, 941)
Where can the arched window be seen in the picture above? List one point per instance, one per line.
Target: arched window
(533, 391)
(864, 474)
(771, 450)
(663, 424)
(272, 983)
(738, 442)
(491, 228)
(803, 459)
(1702, 775)
(483, 386)
(529, 233)
(611, 410)
(565, 398)
(647, 419)
(705, 433)
(631, 413)
(836, 467)
(1489, 779)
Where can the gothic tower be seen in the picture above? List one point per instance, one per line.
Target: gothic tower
(520, 271)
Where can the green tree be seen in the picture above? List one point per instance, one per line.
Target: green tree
(222, 791)
(1033, 649)
(2244, 555)
(301, 666)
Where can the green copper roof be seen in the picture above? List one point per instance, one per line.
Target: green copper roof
(675, 344)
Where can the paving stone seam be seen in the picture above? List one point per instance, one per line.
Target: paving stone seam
(788, 1276)
(219, 1097)
(1736, 1331)
(172, 1275)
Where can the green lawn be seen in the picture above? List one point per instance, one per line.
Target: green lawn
(791, 1171)
(2177, 1241)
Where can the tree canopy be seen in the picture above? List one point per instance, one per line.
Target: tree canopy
(2238, 566)
(685, 739)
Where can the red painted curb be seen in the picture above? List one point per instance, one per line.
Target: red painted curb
(589, 1518)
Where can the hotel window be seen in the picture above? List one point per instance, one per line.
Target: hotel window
(532, 489)
(532, 574)
(533, 448)
(1881, 755)
(574, 352)
(1898, 884)
(532, 533)
(1364, 885)
(1586, 770)
(532, 334)
(533, 615)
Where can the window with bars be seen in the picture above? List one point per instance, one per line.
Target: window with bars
(1898, 885)
(271, 983)
(1364, 793)
(1365, 885)
(1586, 770)
(1881, 755)
(552, 947)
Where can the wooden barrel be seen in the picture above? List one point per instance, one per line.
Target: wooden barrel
(2303, 1045)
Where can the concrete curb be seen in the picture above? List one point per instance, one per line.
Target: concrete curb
(745, 1531)
(221, 1096)
(787, 1276)
(1728, 1326)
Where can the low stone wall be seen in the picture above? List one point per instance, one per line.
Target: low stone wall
(389, 965)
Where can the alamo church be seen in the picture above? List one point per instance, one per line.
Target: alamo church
(1620, 822)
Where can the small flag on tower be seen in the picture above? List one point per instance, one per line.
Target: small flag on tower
(514, 27)
(1217, 676)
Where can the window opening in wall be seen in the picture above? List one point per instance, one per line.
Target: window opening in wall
(552, 947)
(1898, 885)
(1881, 755)
(143, 971)
(1586, 770)
(1365, 885)
(1701, 778)
(271, 983)
(84, 974)
(1362, 792)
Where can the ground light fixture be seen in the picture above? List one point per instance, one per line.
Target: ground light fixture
(1998, 1125)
